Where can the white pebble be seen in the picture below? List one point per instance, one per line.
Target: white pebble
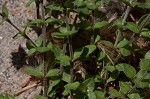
(1, 38)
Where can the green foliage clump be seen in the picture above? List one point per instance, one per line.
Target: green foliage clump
(87, 49)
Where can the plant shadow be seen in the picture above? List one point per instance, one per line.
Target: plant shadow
(19, 58)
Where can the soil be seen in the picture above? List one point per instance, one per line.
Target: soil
(13, 52)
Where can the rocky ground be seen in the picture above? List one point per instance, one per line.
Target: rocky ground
(12, 52)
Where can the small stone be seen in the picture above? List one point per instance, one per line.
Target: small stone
(1, 38)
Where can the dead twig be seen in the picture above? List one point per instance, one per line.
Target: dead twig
(25, 89)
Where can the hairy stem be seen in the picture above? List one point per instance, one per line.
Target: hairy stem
(44, 45)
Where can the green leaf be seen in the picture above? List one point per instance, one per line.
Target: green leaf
(39, 41)
(84, 10)
(54, 7)
(129, 71)
(133, 27)
(40, 97)
(77, 53)
(63, 30)
(123, 43)
(42, 49)
(147, 55)
(54, 83)
(31, 52)
(3, 20)
(113, 76)
(145, 32)
(124, 87)
(18, 35)
(64, 60)
(140, 75)
(53, 72)
(118, 23)
(100, 24)
(91, 95)
(145, 5)
(120, 67)
(101, 55)
(50, 20)
(4, 11)
(91, 5)
(134, 96)
(90, 49)
(36, 21)
(90, 84)
(29, 44)
(125, 52)
(110, 68)
(98, 79)
(79, 3)
(115, 93)
(145, 64)
(66, 77)
(97, 39)
(100, 94)
(72, 86)
(56, 50)
(33, 72)
(9, 96)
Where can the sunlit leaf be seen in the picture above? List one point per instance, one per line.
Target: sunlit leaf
(52, 72)
(100, 24)
(145, 64)
(91, 95)
(100, 94)
(114, 93)
(134, 96)
(110, 68)
(133, 27)
(33, 72)
(64, 60)
(39, 41)
(42, 49)
(89, 49)
(54, 7)
(129, 71)
(113, 76)
(124, 87)
(101, 55)
(123, 43)
(72, 86)
(4, 11)
(125, 52)
(31, 52)
(66, 77)
(77, 53)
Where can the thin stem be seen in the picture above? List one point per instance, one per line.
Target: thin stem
(11, 23)
(44, 45)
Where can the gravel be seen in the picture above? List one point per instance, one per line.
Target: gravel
(12, 52)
